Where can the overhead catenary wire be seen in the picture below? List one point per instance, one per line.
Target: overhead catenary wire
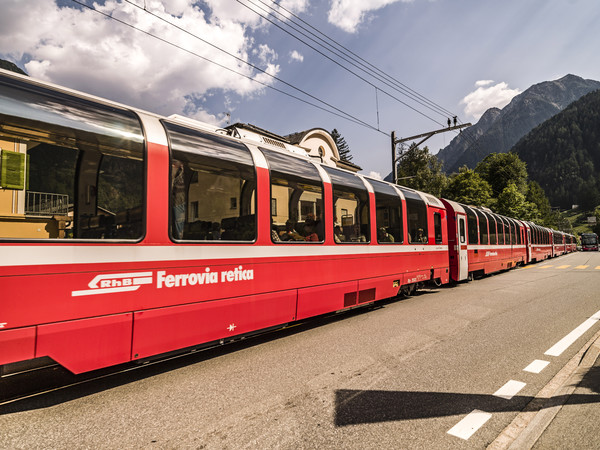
(334, 110)
(341, 65)
(334, 47)
(357, 60)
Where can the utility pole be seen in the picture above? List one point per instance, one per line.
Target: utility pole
(425, 136)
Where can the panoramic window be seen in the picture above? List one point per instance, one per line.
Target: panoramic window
(213, 187)
(388, 206)
(416, 217)
(483, 229)
(493, 233)
(472, 226)
(351, 219)
(297, 190)
(72, 168)
(500, 228)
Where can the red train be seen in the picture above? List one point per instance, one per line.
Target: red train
(125, 235)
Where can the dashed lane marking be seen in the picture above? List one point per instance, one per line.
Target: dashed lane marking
(536, 366)
(566, 342)
(546, 267)
(564, 267)
(510, 389)
(582, 267)
(470, 424)
(597, 267)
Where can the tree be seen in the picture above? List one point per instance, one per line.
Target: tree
(469, 187)
(342, 146)
(420, 170)
(501, 169)
(537, 196)
(512, 203)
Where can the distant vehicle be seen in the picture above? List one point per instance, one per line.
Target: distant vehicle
(589, 242)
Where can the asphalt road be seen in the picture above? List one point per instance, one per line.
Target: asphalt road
(443, 369)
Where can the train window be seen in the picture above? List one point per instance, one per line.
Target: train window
(388, 207)
(472, 226)
(82, 168)
(350, 207)
(437, 227)
(416, 214)
(493, 233)
(507, 236)
(461, 229)
(483, 229)
(500, 226)
(298, 189)
(216, 174)
(513, 237)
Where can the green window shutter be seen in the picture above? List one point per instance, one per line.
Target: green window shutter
(12, 170)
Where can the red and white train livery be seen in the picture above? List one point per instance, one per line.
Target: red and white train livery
(124, 234)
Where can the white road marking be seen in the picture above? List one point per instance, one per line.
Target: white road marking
(536, 366)
(470, 424)
(510, 389)
(565, 342)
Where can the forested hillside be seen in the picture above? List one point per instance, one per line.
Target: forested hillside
(563, 154)
(499, 130)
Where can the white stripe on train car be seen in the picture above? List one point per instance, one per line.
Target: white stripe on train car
(31, 255)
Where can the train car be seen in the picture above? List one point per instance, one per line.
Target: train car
(570, 243)
(125, 234)
(539, 242)
(559, 243)
(482, 242)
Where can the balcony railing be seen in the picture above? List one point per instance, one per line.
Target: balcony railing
(46, 204)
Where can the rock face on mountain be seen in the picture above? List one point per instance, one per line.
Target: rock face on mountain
(7, 65)
(499, 130)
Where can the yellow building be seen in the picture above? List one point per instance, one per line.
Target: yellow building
(26, 214)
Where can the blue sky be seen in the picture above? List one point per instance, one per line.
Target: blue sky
(464, 55)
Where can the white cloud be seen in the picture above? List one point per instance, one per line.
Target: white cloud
(375, 175)
(487, 95)
(296, 56)
(84, 50)
(349, 14)
(265, 54)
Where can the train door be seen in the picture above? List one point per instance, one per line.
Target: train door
(461, 247)
(528, 246)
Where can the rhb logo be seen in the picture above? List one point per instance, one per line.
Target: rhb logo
(118, 282)
(128, 282)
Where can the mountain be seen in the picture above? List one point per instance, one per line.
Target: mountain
(499, 130)
(563, 154)
(7, 65)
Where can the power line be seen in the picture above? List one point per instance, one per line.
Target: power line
(339, 64)
(347, 52)
(340, 113)
(354, 60)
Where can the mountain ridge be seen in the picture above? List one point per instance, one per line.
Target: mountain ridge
(498, 130)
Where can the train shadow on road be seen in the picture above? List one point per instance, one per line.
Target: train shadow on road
(355, 407)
